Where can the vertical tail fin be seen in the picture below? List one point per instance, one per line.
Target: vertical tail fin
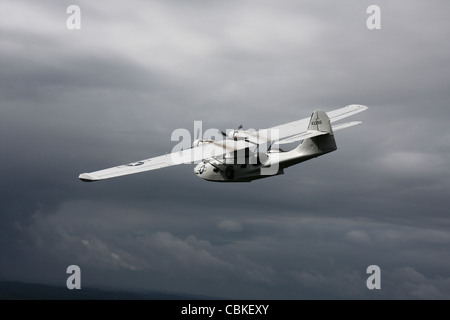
(319, 145)
(320, 122)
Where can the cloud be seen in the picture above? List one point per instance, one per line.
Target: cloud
(343, 283)
(413, 164)
(308, 256)
(190, 252)
(112, 92)
(230, 226)
(412, 284)
(358, 236)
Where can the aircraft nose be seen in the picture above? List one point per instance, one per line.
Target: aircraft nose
(200, 168)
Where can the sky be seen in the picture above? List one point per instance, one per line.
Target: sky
(113, 91)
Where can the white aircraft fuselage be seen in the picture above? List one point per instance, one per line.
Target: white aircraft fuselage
(257, 165)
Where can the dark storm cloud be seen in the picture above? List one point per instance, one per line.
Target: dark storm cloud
(113, 92)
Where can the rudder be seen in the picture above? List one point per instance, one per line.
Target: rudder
(319, 145)
(320, 122)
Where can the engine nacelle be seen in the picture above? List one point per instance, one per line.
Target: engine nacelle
(199, 142)
(237, 135)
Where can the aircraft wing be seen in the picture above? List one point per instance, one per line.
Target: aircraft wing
(345, 112)
(204, 151)
(340, 126)
(298, 130)
(285, 133)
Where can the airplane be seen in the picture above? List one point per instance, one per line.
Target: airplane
(238, 158)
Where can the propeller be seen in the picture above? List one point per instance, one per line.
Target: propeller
(225, 135)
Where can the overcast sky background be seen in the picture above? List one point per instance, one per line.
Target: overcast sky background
(76, 101)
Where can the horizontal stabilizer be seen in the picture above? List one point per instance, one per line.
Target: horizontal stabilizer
(300, 136)
(345, 125)
(345, 112)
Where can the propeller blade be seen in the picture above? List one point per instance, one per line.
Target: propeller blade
(223, 133)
